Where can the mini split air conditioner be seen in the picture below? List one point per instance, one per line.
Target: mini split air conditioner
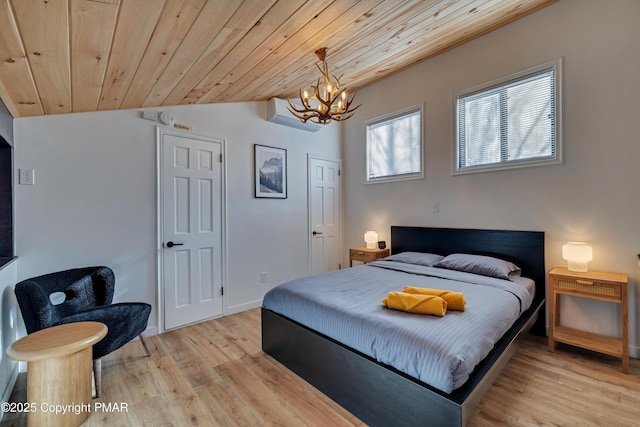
(277, 112)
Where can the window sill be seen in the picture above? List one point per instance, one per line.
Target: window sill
(394, 179)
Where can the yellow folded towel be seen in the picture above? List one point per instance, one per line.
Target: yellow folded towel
(414, 303)
(455, 300)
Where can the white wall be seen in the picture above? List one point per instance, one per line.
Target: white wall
(94, 199)
(8, 330)
(592, 196)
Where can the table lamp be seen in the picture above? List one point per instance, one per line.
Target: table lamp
(371, 239)
(577, 254)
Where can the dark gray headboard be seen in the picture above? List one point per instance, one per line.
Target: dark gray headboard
(523, 248)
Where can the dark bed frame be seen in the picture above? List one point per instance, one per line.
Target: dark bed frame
(382, 396)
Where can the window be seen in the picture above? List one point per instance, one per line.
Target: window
(511, 122)
(394, 146)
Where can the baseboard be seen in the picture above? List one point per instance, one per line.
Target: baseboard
(151, 331)
(634, 352)
(233, 309)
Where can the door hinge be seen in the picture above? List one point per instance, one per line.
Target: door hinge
(338, 172)
(339, 266)
(220, 158)
(222, 291)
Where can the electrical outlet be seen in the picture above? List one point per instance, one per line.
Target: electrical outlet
(26, 177)
(436, 207)
(263, 277)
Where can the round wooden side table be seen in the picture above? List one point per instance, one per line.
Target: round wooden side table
(59, 366)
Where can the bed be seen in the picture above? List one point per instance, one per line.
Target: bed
(379, 393)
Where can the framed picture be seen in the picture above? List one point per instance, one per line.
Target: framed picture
(270, 172)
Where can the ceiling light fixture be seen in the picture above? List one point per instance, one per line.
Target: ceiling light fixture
(328, 102)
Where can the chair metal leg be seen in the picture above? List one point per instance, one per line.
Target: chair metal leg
(97, 368)
(97, 376)
(144, 344)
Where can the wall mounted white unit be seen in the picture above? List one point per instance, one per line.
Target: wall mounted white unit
(277, 112)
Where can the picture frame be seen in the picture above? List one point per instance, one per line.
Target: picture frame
(270, 172)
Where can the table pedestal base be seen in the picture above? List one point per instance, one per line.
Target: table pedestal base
(60, 388)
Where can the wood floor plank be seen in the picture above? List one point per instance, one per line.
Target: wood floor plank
(318, 408)
(214, 373)
(268, 406)
(227, 407)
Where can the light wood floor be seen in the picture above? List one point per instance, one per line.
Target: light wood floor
(214, 373)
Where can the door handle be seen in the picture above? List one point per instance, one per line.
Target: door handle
(171, 244)
(315, 233)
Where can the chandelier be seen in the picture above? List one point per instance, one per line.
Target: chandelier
(328, 102)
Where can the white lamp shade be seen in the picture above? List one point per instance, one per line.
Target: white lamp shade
(371, 239)
(577, 254)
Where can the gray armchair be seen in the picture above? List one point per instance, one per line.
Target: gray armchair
(88, 296)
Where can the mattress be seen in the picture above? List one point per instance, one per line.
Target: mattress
(346, 305)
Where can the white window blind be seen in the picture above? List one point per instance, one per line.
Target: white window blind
(394, 146)
(509, 123)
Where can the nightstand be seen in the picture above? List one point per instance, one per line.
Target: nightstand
(363, 254)
(598, 285)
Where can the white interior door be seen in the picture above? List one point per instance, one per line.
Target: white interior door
(325, 215)
(192, 209)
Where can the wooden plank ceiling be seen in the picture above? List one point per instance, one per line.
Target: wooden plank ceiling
(64, 56)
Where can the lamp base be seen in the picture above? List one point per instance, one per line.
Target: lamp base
(577, 266)
(371, 245)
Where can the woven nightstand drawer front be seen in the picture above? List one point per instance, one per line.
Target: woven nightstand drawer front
(363, 256)
(595, 288)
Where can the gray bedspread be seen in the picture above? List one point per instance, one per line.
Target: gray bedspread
(346, 305)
